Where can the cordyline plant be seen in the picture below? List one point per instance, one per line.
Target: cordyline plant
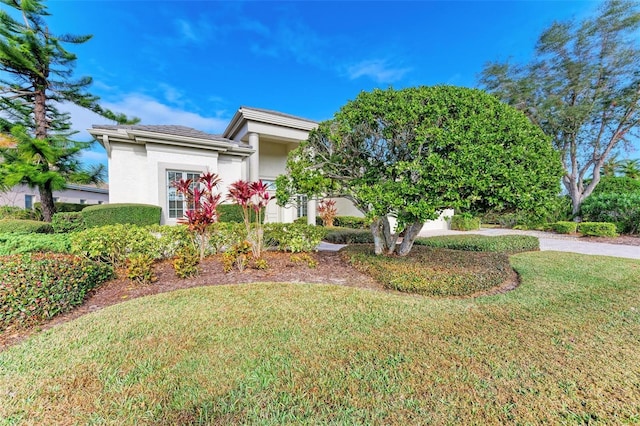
(252, 197)
(327, 212)
(204, 201)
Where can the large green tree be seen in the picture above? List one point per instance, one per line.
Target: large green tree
(36, 78)
(411, 153)
(582, 87)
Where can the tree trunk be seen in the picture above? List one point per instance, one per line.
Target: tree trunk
(390, 239)
(378, 237)
(46, 202)
(409, 237)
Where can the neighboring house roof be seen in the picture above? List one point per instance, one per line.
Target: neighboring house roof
(98, 189)
(259, 115)
(167, 135)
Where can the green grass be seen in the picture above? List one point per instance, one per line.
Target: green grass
(560, 349)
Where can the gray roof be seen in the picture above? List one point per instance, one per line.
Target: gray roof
(168, 130)
(282, 114)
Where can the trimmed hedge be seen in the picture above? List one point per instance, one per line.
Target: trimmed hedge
(302, 220)
(431, 271)
(63, 207)
(112, 214)
(507, 244)
(17, 226)
(27, 243)
(564, 227)
(350, 222)
(465, 223)
(597, 229)
(37, 287)
(10, 212)
(67, 222)
(232, 213)
(348, 236)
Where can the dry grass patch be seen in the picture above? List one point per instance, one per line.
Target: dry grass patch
(562, 348)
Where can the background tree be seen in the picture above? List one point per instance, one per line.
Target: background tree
(582, 88)
(35, 79)
(630, 168)
(411, 153)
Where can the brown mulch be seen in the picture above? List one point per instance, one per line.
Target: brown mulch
(627, 240)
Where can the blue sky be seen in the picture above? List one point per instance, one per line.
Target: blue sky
(194, 63)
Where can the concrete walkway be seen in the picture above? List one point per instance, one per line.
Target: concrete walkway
(548, 242)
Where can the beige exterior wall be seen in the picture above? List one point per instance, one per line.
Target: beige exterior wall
(138, 173)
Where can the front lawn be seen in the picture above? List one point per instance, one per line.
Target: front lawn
(561, 348)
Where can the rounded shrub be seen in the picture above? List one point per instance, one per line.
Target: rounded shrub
(38, 286)
(564, 227)
(17, 226)
(67, 222)
(463, 222)
(112, 214)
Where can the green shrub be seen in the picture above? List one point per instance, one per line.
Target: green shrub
(433, 272)
(27, 243)
(616, 185)
(112, 214)
(564, 227)
(232, 213)
(597, 229)
(350, 222)
(293, 237)
(224, 235)
(67, 222)
(114, 244)
(36, 287)
(302, 220)
(140, 268)
(462, 222)
(508, 244)
(18, 226)
(169, 240)
(186, 262)
(63, 207)
(10, 212)
(348, 236)
(623, 209)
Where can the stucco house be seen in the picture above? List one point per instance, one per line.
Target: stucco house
(143, 160)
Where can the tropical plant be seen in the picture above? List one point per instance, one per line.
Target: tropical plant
(253, 197)
(327, 212)
(203, 201)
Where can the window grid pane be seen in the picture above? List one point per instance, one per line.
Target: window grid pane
(175, 200)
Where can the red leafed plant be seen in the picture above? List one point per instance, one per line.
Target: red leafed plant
(203, 202)
(251, 196)
(327, 212)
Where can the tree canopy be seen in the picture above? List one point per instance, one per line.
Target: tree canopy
(582, 88)
(411, 153)
(36, 78)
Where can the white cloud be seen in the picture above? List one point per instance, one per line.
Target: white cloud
(185, 30)
(151, 111)
(378, 70)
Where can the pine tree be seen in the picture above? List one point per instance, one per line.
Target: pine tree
(36, 77)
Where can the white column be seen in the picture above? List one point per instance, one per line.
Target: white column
(254, 159)
(311, 212)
